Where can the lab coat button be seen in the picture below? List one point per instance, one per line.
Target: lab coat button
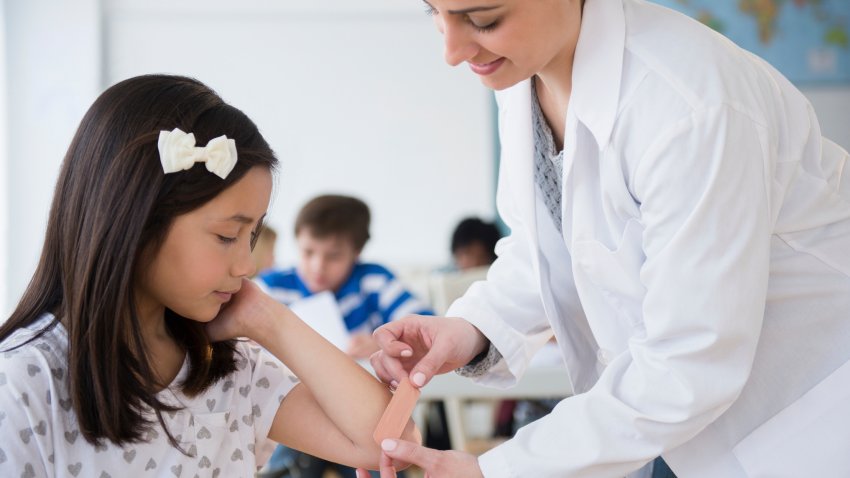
(604, 356)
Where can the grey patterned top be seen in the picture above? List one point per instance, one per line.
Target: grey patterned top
(548, 162)
(220, 428)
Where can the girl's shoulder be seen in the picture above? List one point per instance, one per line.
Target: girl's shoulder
(34, 355)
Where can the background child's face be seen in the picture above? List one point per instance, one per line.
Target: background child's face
(324, 263)
(472, 255)
(207, 252)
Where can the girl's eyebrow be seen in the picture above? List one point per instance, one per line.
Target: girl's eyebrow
(241, 218)
(463, 11)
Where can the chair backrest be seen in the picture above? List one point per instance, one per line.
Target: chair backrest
(446, 287)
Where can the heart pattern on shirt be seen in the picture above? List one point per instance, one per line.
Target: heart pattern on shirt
(75, 468)
(129, 456)
(72, 436)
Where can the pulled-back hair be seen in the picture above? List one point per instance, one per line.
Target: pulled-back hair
(334, 215)
(112, 202)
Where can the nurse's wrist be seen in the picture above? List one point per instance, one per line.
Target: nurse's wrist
(481, 363)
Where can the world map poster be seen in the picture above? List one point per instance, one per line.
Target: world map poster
(807, 40)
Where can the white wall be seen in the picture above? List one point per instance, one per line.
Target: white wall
(4, 175)
(353, 96)
(53, 75)
(832, 105)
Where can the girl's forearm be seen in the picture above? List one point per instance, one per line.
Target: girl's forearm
(333, 378)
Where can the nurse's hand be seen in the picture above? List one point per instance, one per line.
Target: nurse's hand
(435, 463)
(422, 346)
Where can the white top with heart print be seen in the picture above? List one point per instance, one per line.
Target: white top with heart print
(219, 429)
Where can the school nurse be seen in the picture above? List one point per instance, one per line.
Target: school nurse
(677, 223)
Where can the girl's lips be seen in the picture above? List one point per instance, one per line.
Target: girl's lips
(486, 68)
(223, 296)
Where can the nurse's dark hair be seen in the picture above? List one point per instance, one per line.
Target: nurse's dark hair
(112, 205)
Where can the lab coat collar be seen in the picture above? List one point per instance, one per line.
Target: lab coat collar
(598, 67)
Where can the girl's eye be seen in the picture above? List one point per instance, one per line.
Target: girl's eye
(225, 239)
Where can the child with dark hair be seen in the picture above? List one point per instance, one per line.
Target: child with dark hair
(474, 243)
(331, 231)
(122, 357)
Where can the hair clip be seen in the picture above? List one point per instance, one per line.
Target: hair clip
(178, 152)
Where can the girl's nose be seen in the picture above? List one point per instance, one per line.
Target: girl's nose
(244, 265)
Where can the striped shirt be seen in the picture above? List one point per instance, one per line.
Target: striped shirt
(369, 298)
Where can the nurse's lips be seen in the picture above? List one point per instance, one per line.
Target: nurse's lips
(485, 69)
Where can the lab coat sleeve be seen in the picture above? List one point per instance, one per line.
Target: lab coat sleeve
(506, 307)
(703, 189)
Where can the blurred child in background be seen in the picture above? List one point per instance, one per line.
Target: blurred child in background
(331, 231)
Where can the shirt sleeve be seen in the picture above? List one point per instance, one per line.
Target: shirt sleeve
(26, 443)
(395, 301)
(271, 381)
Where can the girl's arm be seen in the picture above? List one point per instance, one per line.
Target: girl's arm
(335, 409)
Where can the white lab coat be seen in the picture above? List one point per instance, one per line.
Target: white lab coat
(700, 291)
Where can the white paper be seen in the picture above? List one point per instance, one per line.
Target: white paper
(321, 312)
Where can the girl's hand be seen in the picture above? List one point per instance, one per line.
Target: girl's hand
(435, 463)
(248, 314)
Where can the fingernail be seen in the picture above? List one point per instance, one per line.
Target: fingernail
(394, 384)
(407, 353)
(388, 445)
(419, 379)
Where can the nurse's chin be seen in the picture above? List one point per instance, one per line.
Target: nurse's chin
(498, 84)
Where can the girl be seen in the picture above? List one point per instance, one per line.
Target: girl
(677, 223)
(121, 358)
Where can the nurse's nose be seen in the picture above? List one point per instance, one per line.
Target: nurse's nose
(458, 46)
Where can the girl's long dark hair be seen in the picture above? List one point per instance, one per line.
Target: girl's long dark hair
(113, 202)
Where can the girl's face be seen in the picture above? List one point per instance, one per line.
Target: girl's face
(507, 41)
(207, 252)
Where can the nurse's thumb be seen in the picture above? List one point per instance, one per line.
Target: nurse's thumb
(402, 451)
(429, 364)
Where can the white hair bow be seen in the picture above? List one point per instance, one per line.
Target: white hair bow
(177, 151)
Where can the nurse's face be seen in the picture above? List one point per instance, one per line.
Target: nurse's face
(507, 41)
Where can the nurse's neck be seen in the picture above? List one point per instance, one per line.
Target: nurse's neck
(554, 106)
(554, 84)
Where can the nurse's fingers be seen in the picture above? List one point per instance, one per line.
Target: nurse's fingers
(388, 337)
(386, 467)
(388, 369)
(443, 464)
